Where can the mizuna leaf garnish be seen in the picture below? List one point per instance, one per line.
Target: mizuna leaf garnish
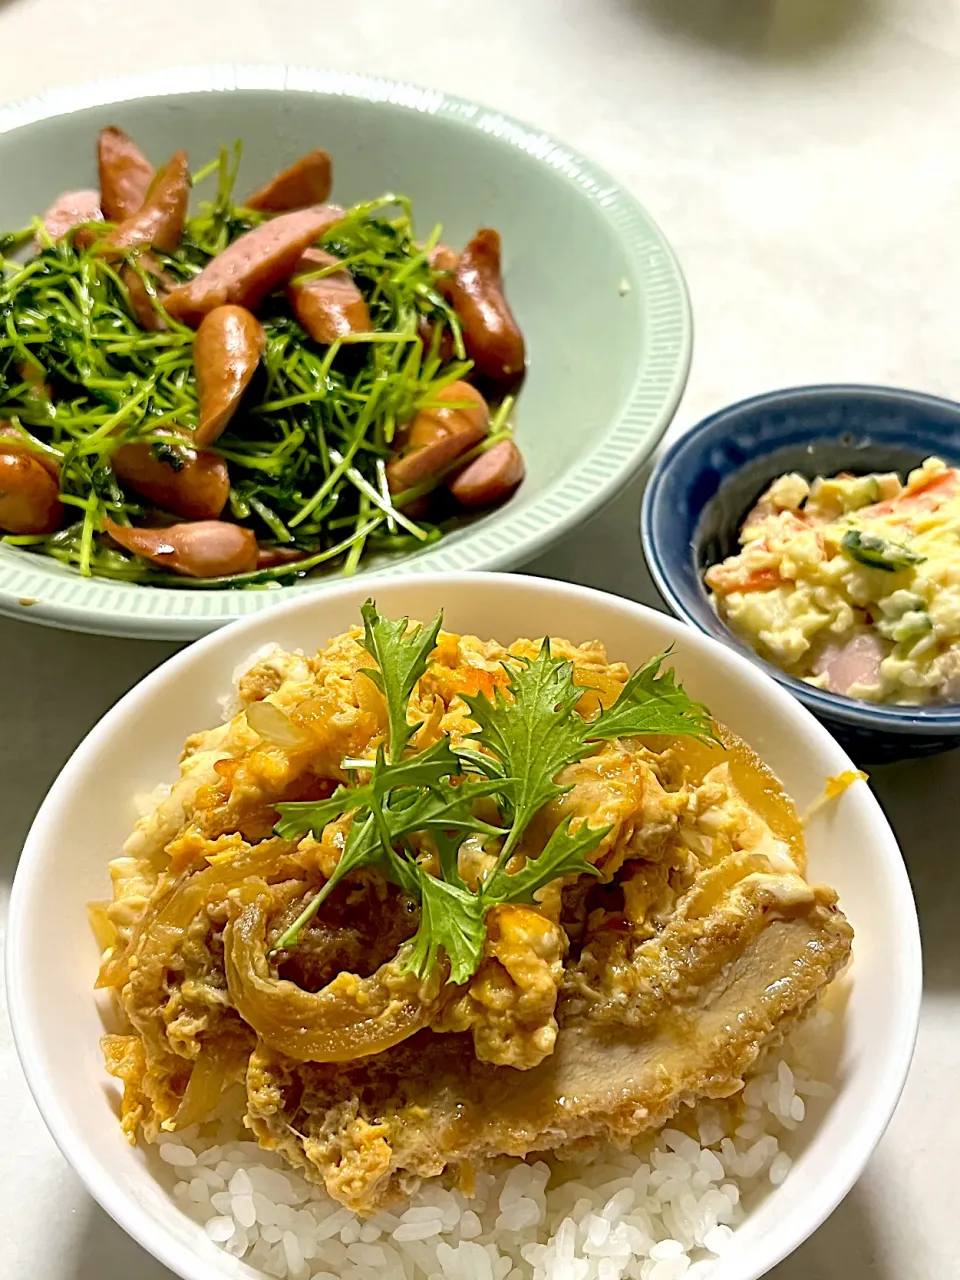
(526, 735)
(651, 703)
(535, 731)
(533, 734)
(402, 653)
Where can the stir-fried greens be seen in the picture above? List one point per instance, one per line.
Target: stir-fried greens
(100, 385)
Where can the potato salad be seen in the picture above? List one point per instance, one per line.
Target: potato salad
(852, 583)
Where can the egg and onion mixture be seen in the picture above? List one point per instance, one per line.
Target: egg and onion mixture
(852, 583)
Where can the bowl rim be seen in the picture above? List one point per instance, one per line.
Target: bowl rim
(879, 717)
(61, 598)
(136, 1219)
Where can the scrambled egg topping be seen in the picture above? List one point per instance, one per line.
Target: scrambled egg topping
(597, 1010)
(852, 583)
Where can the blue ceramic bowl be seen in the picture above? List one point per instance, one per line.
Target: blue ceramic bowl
(707, 481)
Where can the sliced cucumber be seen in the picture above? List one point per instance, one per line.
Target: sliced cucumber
(912, 626)
(878, 553)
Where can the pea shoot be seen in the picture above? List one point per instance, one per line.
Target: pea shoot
(306, 453)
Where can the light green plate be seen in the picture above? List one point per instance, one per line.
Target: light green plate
(594, 285)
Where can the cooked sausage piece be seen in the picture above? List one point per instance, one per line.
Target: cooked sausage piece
(125, 174)
(330, 306)
(426, 330)
(159, 222)
(273, 557)
(438, 435)
(253, 266)
(203, 549)
(38, 384)
(490, 477)
(443, 258)
(29, 487)
(306, 182)
(229, 345)
(189, 482)
(11, 441)
(490, 333)
(69, 211)
(141, 304)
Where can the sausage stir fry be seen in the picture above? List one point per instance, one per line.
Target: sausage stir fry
(272, 385)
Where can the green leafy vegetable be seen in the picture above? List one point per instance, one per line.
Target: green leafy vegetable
(402, 653)
(452, 918)
(533, 734)
(300, 816)
(525, 736)
(451, 921)
(653, 703)
(446, 807)
(565, 854)
(307, 449)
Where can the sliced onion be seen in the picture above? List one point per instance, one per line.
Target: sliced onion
(212, 1072)
(351, 1017)
(104, 930)
(170, 910)
(275, 726)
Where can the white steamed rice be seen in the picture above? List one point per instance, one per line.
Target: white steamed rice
(647, 1215)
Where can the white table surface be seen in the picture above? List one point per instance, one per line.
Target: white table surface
(802, 157)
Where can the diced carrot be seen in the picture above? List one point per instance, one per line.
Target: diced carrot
(794, 522)
(925, 497)
(477, 680)
(726, 580)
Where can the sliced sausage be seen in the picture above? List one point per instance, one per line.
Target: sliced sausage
(273, 557)
(29, 493)
(229, 345)
(490, 477)
(443, 258)
(125, 174)
(253, 266)
(306, 182)
(330, 306)
(141, 304)
(38, 384)
(468, 411)
(204, 549)
(438, 435)
(490, 333)
(189, 482)
(425, 330)
(12, 441)
(68, 211)
(159, 222)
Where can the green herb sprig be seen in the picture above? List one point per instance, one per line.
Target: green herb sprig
(525, 736)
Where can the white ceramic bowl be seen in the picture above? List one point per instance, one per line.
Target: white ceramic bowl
(52, 959)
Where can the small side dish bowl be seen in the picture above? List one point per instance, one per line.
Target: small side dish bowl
(592, 282)
(90, 809)
(707, 481)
